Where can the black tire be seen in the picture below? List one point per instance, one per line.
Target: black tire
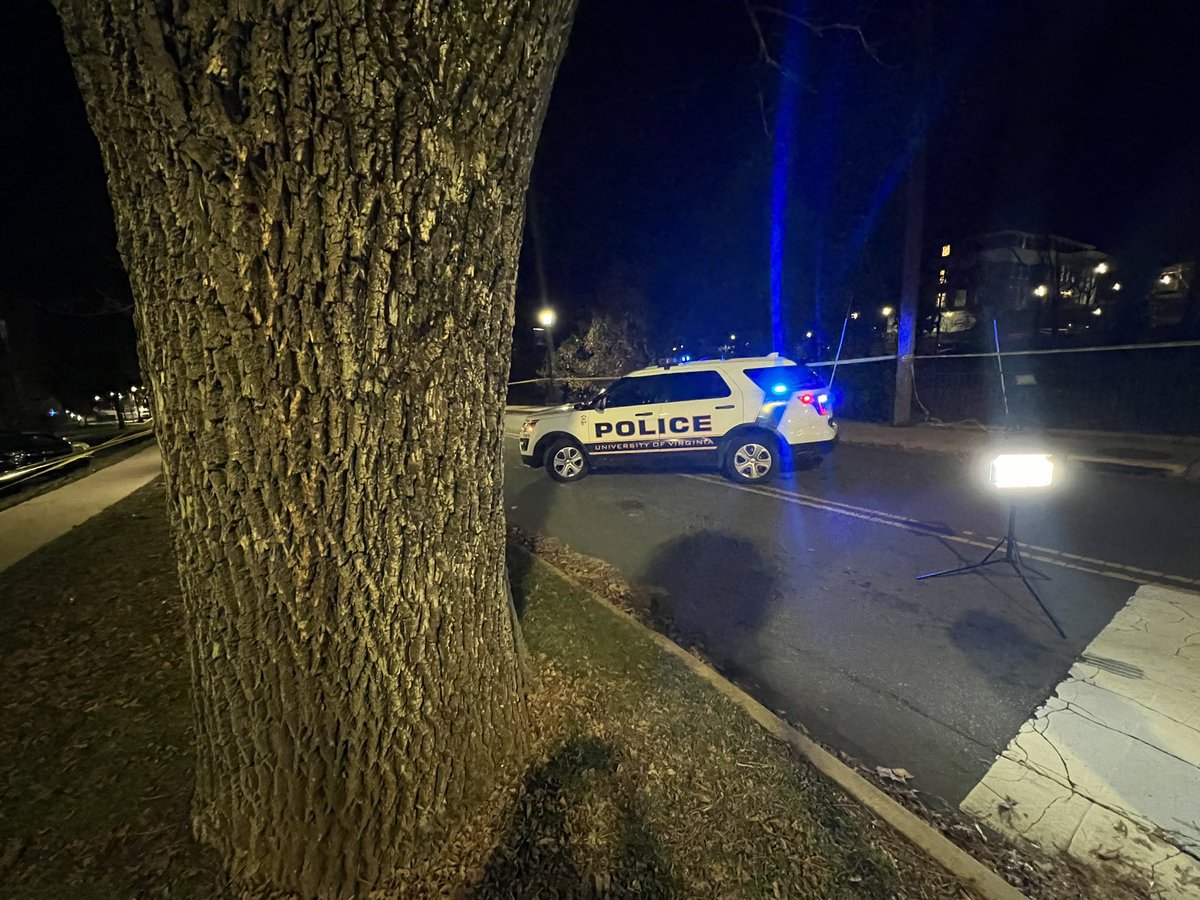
(566, 462)
(752, 457)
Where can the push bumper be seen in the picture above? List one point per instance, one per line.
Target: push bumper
(527, 456)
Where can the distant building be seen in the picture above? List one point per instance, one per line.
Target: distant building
(1040, 288)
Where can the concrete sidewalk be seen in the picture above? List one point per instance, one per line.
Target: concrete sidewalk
(1108, 769)
(36, 522)
(1160, 454)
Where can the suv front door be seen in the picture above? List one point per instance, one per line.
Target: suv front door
(621, 426)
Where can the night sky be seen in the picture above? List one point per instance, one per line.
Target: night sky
(652, 185)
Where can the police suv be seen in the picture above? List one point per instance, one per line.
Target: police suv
(744, 415)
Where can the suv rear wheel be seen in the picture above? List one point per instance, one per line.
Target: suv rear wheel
(752, 458)
(566, 461)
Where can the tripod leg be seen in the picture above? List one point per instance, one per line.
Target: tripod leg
(983, 562)
(1029, 587)
(992, 552)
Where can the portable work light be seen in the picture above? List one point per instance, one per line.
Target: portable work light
(1016, 475)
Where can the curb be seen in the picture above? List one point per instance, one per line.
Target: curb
(915, 830)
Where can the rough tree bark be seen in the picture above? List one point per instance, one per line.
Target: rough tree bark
(320, 203)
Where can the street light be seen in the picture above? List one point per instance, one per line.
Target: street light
(1101, 268)
(546, 319)
(854, 315)
(733, 337)
(1041, 290)
(886, 312)
(1116, 286)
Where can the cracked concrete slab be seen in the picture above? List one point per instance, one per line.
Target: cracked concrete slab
(1108, 769)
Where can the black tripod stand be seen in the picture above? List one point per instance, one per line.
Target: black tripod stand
(1012, 556)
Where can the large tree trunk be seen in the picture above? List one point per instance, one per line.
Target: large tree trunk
(320, 203)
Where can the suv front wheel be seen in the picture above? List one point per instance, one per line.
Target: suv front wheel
(566, 461)
(752, 458)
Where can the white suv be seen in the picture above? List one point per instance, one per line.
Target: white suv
(745, 415)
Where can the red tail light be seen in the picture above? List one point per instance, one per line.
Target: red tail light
(818, 402)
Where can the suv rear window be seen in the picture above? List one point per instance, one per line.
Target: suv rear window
(793, 378)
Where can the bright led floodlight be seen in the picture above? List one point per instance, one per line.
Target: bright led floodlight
(1022, 471)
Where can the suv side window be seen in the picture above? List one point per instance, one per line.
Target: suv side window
(685, 386)
(632, 392)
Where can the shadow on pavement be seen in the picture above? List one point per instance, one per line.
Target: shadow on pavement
(577, 829)
(711, 589)
(1000, 647)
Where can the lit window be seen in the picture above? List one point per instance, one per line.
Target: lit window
(942, 276)
(941, 299)
(945, 249)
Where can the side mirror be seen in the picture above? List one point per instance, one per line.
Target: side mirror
(601, 402)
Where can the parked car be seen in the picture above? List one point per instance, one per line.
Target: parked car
(18, 450)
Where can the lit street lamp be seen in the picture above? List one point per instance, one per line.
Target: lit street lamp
(546, 319)
(137, 402)
(886, 312)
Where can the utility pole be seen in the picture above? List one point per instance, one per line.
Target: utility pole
(914, 228)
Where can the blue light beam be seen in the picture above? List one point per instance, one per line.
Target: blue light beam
(785, 134)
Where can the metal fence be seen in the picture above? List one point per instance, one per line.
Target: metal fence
(1144, 388)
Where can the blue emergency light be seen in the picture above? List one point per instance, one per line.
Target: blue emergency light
(780, 389)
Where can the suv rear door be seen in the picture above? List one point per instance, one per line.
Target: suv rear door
(697, 408)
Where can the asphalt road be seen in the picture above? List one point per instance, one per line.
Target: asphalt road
(805, 591)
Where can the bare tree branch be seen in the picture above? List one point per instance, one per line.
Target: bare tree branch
(817, 28)
(763, 52)
(762, 112)
(101, 304)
